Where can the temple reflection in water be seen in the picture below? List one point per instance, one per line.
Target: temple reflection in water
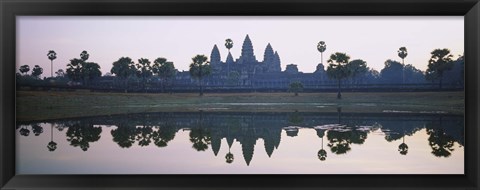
(338, 131)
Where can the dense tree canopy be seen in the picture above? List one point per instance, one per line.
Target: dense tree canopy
(440, 62)
(200, 68)
(37, 71)
(24, 69)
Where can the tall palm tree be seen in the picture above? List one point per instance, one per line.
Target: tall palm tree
(440, 62)
(322, 154)
(228, 45)
(338, 69)
(52, 56)
(51, 145)
(403, 148)
(200, 68)
(402, 53)
(84, 55)
(321, 47)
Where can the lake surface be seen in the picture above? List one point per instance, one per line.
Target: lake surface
(243, 143)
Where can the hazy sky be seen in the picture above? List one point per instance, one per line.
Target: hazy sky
(179, 38)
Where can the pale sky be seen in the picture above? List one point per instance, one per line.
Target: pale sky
(179, 38)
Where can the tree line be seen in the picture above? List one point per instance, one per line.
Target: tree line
(340, 68)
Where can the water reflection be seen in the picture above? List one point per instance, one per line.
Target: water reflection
(207, 129)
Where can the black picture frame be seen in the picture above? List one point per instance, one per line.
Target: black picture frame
(470, 9)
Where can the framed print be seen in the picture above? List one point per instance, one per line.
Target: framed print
(239, 94)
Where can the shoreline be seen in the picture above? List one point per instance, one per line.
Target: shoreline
(41, 105)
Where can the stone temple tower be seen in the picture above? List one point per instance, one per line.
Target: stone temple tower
(247, 56)
(215, 60)
(271, 60)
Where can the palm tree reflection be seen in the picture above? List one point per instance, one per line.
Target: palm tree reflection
(403, 148)
(200, 138)
(24, 131)
(163, 136)
(37, 129)
(52, 146)
(441, 143)
(81, 134)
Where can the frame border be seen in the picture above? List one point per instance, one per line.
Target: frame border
(470, 9)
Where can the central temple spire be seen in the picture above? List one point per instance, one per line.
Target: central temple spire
(247, 51)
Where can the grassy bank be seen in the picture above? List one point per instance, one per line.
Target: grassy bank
(38, 105)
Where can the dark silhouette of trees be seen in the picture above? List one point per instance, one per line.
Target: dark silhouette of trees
(165, 70)
(74, 69)
(52, 146)
(357, 68)
(228, 45)
(229, 157)
(123, 68)
(440, 142)
(24, 131)
(79, 70)
(82, 134)
(199, 69)
(84, 55)
(144, 70)
(413, 75)
(455, 76)
(162, 136)
(52, 55)
(338, 70)
(403, 148)
(124, 135)
(440, 62)
(201, 138)
(322, 153)
(295, 87)
(24, 69)
(60, 73)
(37, 129)
(402, 53)
(339, 142)
(144, 135)
(37, 71)
(90, 71)
(392, 72)
(321, 47)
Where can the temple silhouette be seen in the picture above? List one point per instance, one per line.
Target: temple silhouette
(248, 71)
(207, 129)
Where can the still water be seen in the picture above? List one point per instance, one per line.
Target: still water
(243, 143)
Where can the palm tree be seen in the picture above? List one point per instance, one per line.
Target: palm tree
(52, 56)
(229, 157)
(24, 69)
(322, 154)
(164, 69)
(37, 71)
(123, 68)
(321, 47)
(403, 148)
(402, 53)
(51, 145)
(144, 70)
(338, 69)
(84, 55)
(228, 45)
(440, 61)
(200, 68)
